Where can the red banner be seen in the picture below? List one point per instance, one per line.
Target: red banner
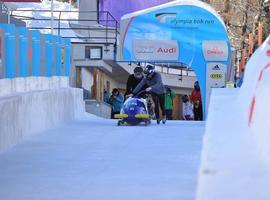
(20, 1)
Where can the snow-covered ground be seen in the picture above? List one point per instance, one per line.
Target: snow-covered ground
(95, 159)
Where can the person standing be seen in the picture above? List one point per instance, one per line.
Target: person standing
(116, 100)
(169, 96)
(153, 84)
(106, 96)
(187, 108)
(134, 80)
(241, 79)
(196, 100)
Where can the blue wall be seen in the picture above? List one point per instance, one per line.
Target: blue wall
(29, 49)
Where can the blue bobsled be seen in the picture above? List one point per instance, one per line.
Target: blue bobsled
(134, 112)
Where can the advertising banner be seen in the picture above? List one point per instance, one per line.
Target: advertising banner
(215, 50)
(188, 32)
(153, 50)
(215, 77)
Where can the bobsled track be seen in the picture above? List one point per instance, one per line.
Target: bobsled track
(95, 159)
(51, 149)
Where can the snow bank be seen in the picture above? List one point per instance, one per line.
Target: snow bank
(44, 5)
(256, 92)
(30, 105)
(253, 69)
(255, 98)
(235, 158)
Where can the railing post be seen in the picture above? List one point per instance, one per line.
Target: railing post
(51, 16)
(107, 27)
(116, 30)
(8, 16)
(59, 24)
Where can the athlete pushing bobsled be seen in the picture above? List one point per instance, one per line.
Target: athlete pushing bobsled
(135, 109)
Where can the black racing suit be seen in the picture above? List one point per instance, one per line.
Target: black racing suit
(157, 91)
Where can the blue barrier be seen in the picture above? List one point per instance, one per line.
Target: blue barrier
(29, 53)
(48, 55)
(58, 47)
(67, 56)
(9, 64)
(23, 42)
(35, 53)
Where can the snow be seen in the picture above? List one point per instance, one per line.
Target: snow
(95, 159)
(46, 5)
(235, 157)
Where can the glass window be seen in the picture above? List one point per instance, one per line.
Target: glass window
(93, 53)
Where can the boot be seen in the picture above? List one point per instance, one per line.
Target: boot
(164, 119)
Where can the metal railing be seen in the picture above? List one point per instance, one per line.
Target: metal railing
(3, 8)
(96, 21)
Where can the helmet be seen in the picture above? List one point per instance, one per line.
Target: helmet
(149, 70)
(196, 85)
(185, 98)
(138, 72)
(168, 89)
(115, 90)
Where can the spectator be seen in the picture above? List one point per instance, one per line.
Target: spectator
(153, 84)
(106, 97)
(187, 108)
(116, 100)
(169, 96)
(196, 101)
(241, 79)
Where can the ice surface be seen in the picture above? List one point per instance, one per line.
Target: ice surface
(95, 159)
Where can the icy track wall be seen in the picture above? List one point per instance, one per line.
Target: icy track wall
(34, 87)
(33, 104)
(235, 161)
(255, 98)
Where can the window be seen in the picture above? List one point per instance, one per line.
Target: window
(93, 53)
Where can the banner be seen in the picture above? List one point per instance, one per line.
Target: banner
(186, 32)
(155, 50)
